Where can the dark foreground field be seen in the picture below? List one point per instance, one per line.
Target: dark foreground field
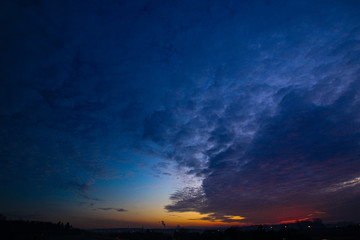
(33, 230)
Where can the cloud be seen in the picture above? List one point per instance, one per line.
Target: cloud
(115, 209)
(81, 189)
(162, 168)
(295, 154)
(276, 164)
(88, 204)
(346, 184)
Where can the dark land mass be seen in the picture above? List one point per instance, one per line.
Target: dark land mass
(305, 230)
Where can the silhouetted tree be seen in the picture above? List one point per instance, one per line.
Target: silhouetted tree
(68, 226)
(261, 228)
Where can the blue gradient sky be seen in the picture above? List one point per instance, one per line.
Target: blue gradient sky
(118, 113)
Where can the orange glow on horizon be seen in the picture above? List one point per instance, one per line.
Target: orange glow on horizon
(153, 220)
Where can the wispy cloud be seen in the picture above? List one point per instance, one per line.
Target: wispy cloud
(112, 209)
(343, 185)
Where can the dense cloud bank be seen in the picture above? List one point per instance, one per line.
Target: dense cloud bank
(259, 101)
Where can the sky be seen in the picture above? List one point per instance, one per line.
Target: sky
(124, 113)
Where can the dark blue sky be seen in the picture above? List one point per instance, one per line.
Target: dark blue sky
(196, 112)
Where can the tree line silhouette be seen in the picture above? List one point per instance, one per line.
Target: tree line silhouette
(304, 230)
(22, 229)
